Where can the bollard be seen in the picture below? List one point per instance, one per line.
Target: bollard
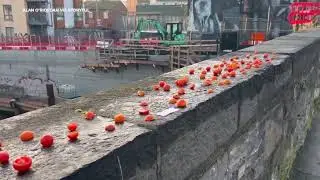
(50, 94)
(13, 104)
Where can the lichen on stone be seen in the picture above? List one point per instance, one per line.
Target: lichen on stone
(287, 163)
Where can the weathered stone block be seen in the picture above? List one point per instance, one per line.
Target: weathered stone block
(193, 148)
(273, 129)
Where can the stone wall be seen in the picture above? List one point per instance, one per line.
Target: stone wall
(251, 129)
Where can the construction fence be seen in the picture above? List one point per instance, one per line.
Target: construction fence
(249, 26)
(63, 40)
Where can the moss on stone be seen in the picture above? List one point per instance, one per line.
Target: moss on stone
(315, 108)
(309, 119)
(287, 163)
(316, 104)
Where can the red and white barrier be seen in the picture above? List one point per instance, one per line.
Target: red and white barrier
(47, 48)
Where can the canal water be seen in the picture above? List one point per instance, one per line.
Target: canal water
(64, 68)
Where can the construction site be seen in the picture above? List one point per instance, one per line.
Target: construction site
(125, 41)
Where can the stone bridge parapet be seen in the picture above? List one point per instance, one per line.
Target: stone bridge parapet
(250, 129)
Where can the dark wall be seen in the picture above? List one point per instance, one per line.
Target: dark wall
(206, 15)
(211, 16)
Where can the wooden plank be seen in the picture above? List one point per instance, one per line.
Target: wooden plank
(126, 55)
(161, 63)
(101, 66)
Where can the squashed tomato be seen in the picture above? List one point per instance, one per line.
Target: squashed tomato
(110, 128)
(22, 164)
(149, 118)
(143, 111)
(143, 103)
(156, 87)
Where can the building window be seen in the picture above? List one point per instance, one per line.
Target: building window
(7, 13)
(106, 15)
(78, 16)
(9, 31)
(90, 14)
(59, 16)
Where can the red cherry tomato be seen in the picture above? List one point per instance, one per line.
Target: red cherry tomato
(191, 71)
(73, 136)
(22, 164)
(166, 87)
(4, 157)
(110, 128)
(162, 83)
(72, 126)
(47, 141)
(90, 115)
(143, 111)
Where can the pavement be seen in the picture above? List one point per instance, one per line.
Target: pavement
(307, 166)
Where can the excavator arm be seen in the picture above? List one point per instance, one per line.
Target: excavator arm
(143, 24)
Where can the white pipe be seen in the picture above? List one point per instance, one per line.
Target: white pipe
(267, 31)
(84, 13)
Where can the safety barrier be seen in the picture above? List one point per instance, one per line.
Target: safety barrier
(47, 48)
(303, 12)
(32, 42)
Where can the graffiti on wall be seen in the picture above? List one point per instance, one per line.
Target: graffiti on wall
(207, 16)
(215, 16)
(32, 81)
(202, 17)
